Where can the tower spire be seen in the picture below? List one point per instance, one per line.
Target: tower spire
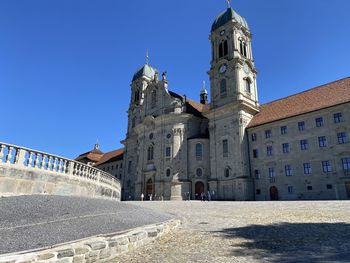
(228, 3)
(147, 56)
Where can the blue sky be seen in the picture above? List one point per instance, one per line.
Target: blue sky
(66, 65)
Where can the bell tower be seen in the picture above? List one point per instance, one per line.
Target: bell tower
(232, 72)
(234, 102)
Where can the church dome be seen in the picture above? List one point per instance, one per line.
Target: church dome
(227, 16)
(145, 71)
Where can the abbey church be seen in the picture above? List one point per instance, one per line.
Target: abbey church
(295, 148)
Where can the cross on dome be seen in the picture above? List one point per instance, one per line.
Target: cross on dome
(228, 3)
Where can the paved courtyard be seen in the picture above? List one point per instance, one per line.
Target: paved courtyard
(251, 232)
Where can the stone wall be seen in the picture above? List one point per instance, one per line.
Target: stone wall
(26, 172)
(102, 248)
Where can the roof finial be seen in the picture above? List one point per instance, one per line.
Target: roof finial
(228, 3)
(203, 84)
(97, 145)
(147, 56)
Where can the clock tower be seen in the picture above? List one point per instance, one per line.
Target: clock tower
(234, 102)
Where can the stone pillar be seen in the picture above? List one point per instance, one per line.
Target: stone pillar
(176, 191)
(21, 157)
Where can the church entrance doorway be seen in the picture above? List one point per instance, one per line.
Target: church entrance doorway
(149, 190)
(273, 193)
(199, 188)
(347, 187)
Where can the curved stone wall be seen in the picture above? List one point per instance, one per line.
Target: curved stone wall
(25, 172)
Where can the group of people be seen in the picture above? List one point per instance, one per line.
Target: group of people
(209, 196)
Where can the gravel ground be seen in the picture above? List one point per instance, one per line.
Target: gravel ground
(251, 232)
(30, 222)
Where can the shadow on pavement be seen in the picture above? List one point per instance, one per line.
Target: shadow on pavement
(293, 242)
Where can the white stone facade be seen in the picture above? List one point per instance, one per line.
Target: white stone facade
(176, 148)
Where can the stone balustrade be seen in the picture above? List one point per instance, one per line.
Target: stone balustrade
(27, 171)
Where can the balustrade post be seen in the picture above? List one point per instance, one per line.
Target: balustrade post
(36, 162)
(21, 157)
(70, 167)
(30, 159)
(60, 163)
(2, 147)
(54, 166)
(9, 155)
(42, 165)
(98, 176)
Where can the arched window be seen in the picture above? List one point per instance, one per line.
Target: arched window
(227, 172)
(150, 153)
(247, 85)
(199, 151)
(153, 99)
(223, 90)
(168, 172)
(223, 48)
(243, 47)
(137, 96)
(199, 172)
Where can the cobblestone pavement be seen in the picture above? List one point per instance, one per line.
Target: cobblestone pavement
(251, 232)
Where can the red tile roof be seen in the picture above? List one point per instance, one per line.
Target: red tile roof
(321, 97)
(93, 155)
(112, 156)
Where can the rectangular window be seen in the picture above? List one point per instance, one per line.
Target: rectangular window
(258, 191)
(112, 167)
(129, 166)
(290, 189)
(272, 175)
(309, 188)
(288, 170)
(199, 151)
(255, 153)
(121, 166)
(307, 168)
(322, 141)
(285, 147)
(254, 137)
(269, 151)
(225, 148)
(319, 122)
(338, 117)
(116, 167)
(329, 186)
(284, 130)
(304, 145)
(257, 174)
(342, 138)
(168, 152)
(301, 126)
(268, 134)
(326, 166)
(346, 164)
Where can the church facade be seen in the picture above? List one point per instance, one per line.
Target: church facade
(291, 149)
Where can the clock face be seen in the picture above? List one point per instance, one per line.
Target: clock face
(222, 33)
(223, 69)
(246, 68)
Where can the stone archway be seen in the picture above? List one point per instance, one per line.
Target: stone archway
(199, 188)
(273, 193)
(149, 189)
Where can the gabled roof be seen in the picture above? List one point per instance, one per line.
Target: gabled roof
(112, 156)
(318, 98)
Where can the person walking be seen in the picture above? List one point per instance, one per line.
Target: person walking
(142, 197)
(209, 196)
